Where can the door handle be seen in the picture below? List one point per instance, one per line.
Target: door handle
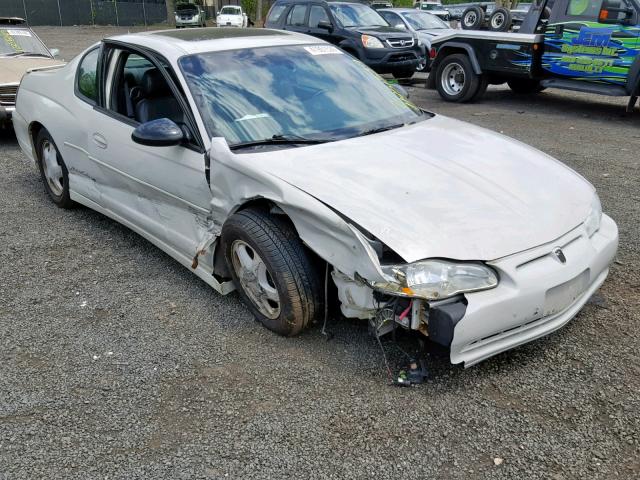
(99, 140)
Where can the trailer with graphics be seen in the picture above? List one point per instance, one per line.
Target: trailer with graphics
(590, 46)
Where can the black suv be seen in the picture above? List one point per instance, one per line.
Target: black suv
(356, 28)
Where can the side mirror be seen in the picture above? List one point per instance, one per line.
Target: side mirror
(399, 26)
(325, 25)
(400, 89)
(158, 133)
(55, 52)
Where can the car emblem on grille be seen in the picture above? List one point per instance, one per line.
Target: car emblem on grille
(559, 254)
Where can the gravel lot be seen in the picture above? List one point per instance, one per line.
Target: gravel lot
(116, 362)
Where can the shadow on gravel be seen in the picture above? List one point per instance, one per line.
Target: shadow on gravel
(7, 136)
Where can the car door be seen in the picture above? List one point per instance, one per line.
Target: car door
(592, 40)
(161, 191)
(297, 18)
(319, 15)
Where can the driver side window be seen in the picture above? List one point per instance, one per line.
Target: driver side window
(139, 90)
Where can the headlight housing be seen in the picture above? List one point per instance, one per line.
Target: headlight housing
(435, 279)
(592, 222)
(371, 42)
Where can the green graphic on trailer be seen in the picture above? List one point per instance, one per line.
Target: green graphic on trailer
(590, 51)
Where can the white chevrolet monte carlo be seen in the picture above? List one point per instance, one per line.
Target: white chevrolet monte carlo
(274, 163)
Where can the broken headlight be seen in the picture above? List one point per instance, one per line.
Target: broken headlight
(436, 279)
(592, 222)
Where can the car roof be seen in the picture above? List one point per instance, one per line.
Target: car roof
(177, 43)
(13, 21)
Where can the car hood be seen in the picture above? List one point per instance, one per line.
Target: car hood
(383, 32)
(440, 188)
(13, 68)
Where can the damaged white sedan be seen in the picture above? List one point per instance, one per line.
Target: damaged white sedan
(274, 163)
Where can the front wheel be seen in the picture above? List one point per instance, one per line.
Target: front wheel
(455, 79)
(53, 170)
(525, 86)
(274, 275)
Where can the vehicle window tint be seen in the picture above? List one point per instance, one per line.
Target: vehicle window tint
(296, 16)
(317, 14)
(276, 12)
(87, 75)
(584, 8)
(393, 19)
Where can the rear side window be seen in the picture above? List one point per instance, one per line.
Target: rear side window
(296, 16)
(276, 12)
(317, 14)
(87, 76)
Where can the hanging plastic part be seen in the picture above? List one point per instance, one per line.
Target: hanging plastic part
(202, 248)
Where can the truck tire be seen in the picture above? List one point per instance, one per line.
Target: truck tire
(472, 18)
(524, 86)
(455, 79)
(500, 20)
(275, 276)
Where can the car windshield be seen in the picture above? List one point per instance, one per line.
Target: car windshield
(357, 15)
(423, 21)
(17, 41)
(186, 8)
(430, 6)
(230, 11)
(312, 92)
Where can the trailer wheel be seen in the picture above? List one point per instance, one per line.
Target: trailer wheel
(472, 18)
(455, 79)
(524, 86)
(500, 20)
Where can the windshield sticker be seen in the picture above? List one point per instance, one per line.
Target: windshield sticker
(9, 40)
(252, 117)
(323, 50)
(19, 33)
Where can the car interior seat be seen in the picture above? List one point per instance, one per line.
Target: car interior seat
(157, 99)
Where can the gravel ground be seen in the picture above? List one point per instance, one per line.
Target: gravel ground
(116, 362)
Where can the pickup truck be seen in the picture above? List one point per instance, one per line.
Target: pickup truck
(590, 46)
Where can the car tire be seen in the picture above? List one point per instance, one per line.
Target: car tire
(53, 170)
(500, 20)
(274, 274)
(455, 79)
(525, 86)
(403, 73)
(472, 18)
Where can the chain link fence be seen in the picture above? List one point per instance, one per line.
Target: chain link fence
(86, 12)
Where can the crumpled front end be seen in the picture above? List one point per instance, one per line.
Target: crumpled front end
(540, 290)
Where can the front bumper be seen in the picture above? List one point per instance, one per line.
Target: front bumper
(537, 294)
(188, 23)
(389, 60)
(6, 113)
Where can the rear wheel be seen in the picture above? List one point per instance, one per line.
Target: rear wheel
(455, 79)
(272, 271)
(525, 86)
(472, 18)
(53, 170)
(500, 20)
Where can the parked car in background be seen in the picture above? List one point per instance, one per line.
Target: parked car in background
(274, 163)
(379, 5)
(355, 28)
(190, 15)
(232, 16)
(425, 25)
(434, 8)
(20, 51)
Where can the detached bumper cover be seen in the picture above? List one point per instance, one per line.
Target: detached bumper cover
(537, 294)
